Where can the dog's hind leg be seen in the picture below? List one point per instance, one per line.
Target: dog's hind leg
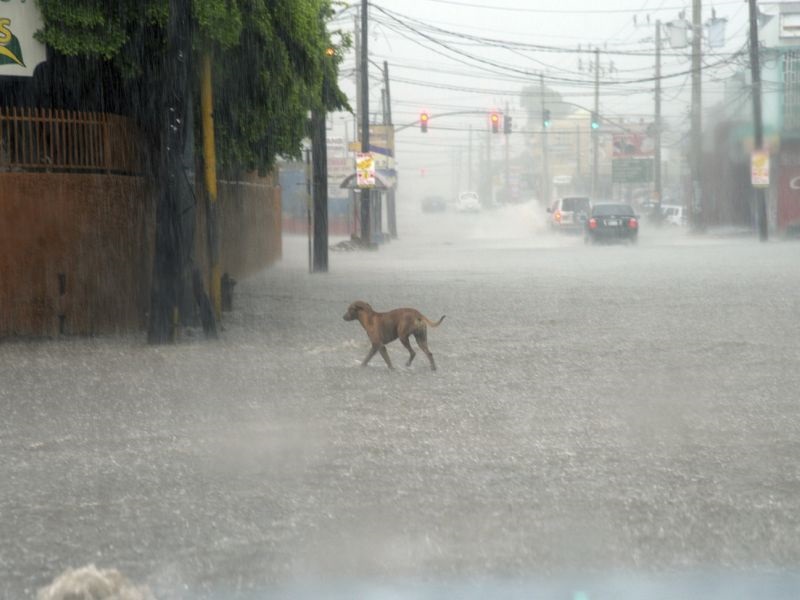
(385, 356)
(422, 342)
(372, 352)
(411, 352)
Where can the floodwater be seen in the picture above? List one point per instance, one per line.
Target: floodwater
(606, 422)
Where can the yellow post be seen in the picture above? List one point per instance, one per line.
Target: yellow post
(210, 169)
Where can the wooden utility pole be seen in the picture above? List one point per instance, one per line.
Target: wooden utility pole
(758, 126)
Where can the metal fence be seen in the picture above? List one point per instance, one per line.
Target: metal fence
(37, 139)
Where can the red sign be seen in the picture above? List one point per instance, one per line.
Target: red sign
(633, 145)
(788, 196)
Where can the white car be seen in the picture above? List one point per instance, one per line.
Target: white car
(468, 202)
(674, 214)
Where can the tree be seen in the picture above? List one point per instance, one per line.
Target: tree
(270, 65)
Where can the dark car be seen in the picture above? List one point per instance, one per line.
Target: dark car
(434, 204)
(612, 223)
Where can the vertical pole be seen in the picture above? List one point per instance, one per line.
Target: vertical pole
(577, 156)
(469, 161)
(595, 134)
(309, 218)
(657, 125)
(210, 174)
(508, 172)
(366, 197)
(758, 126)
(167, 260)
(390, 198)
(320, 190)
(696, 210)
(545, 159)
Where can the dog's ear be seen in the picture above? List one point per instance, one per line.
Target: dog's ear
(360, 305)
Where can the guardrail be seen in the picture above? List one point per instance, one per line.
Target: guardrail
(38, 139)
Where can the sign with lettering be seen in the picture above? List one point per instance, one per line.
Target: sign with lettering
(20, 53)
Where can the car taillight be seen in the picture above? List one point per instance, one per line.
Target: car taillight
(557, 216)
(633, 223)
(592, 223)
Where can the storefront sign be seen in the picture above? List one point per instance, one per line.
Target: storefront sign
(20, 53)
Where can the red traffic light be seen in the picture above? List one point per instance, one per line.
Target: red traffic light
(423, 122)
(495, 119)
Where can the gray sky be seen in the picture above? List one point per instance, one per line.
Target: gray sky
(429, 76)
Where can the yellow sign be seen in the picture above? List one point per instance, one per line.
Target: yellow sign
(20, 53)
(365, 170)
(759, 168)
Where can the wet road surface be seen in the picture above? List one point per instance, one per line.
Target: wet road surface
(603, 418)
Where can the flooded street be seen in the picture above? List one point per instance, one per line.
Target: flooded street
(600, 414)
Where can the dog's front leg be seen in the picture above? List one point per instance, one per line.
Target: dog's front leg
(372, 352)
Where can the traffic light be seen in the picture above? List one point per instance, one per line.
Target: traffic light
(595, 120)
(423, 122)
(545, 118)
(506, 124)
(495, 120)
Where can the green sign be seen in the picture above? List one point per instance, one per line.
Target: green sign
(631, 170)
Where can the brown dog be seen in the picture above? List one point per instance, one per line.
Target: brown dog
(383, 328)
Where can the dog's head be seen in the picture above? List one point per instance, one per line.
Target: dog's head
(354, 309)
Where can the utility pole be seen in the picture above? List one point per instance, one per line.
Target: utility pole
(758, 126)
(594, 131)
(508, 171)
(545, 161)
(657, 126)
(695, 212)
(469, 161)
(366, 196)
(166, 284)
(391, 194)
(319, 151)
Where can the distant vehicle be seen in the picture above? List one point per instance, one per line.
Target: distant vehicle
(569, 213)
(434, 204)
(468, 202)
(612, 223)
(674, 214)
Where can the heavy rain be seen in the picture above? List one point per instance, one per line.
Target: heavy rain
(586, 212)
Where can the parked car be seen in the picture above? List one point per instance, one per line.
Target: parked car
(434, 204)
(468, 202)
(612, 223)
(569, 213)
(674, 214)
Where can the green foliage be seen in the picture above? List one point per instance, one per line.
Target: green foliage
(269, 57)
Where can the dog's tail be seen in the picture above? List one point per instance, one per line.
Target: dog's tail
(431, 323)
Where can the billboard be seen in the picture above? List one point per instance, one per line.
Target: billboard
(20, 53)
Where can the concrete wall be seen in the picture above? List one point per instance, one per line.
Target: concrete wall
(249, 224)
